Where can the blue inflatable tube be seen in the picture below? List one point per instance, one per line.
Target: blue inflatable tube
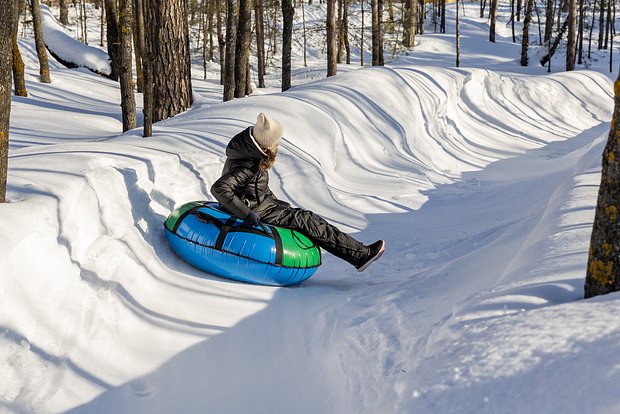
(213, 241)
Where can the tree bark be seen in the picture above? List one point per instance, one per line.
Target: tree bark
(409, 23)
(332, 67)
(137, 27)
(114, 37)
(458, 34)
(287, 42)
(242, 47)
(526, 33)
(221, 42)
(548, 20)
(260, 41)
(64, 12)
(231, 39)
(44, 70)
(147, 72)
(167, 41)
(556, 42)
(571, 45)
(128, 100)
(18, 66)
(493, 16)
(603, 273)
(8, 32)
(580, 32)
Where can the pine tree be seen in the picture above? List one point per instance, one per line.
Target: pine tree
(8, 13)
(44, 70)
(167, 43)
(242, 47)
(603, 273)
(287, 42)
(332, 67)
(571, 45)
(128, 101)
(18, 67)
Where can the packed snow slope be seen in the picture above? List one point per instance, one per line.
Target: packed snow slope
(482, 183)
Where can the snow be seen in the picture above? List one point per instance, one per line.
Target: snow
(482, 179)
(59, 42)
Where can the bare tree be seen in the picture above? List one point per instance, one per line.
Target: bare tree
(242, 47)
(549, 20)
(409, 23)
(377, 32)
(332, 67)
(458, 34)
(571, 45)
(231, 39)
(114, 37)
(526, 33)
(64, 12)
(19, 79)
(287, 42)
(260, 41)
(167, 41)
(7, 34)
(44, 70)
(493, 16)
(128, 101)
(603, 273)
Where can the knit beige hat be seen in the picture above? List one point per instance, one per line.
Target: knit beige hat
(267, 132)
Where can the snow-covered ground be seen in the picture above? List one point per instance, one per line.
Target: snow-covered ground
(482, 180)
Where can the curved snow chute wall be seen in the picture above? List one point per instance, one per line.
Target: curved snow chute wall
(213, 241)
(69, 51)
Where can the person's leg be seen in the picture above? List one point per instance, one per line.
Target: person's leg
(317, 229)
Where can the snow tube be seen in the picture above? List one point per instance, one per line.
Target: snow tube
(211, 240)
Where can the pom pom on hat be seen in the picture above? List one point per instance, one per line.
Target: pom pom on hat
(267, 132)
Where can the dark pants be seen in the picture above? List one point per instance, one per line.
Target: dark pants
(317, 229)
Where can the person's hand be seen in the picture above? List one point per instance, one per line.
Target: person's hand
(252, 220)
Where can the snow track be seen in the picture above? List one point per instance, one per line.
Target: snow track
(482, 183)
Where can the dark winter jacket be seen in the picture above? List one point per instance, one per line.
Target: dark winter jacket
(243, 186)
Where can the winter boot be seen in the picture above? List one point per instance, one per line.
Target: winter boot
(375, 251)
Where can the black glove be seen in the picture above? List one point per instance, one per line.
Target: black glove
(252, 220)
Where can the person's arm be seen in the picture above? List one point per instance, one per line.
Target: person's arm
(224, 190)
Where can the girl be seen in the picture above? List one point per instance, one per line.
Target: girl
(243, 191)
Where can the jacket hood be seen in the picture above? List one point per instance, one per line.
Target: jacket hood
(243, 146)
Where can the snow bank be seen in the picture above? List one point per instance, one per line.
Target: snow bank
(70, 50)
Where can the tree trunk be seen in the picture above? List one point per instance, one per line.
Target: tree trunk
(603, 273)
(128, 101)
(242, 47)
(44, 70)
(287, 42)
(260, 42)
(526, 26)
(601, 23)
(571, 45)
(409, 23)
(580, 32)
(556, 42)
(8, 33)
(147, 72)
(548, 20)
(231, 38)
(458, 34)
(221, 41)
(332, 67)
(377, 33)
(19, 80)
(64, 12)
(303, 23)
(380, 21)
(362, 35)
(114, 37)
(138, 27)
(167, 41)
(493, 16)
(340, 41)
